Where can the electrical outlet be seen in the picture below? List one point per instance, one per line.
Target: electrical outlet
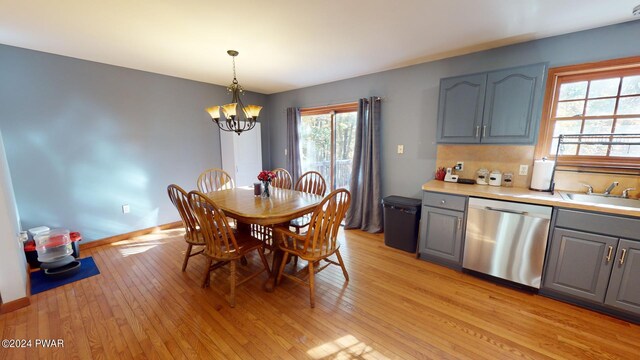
(125, 209)
(459, 166)
(22, 238)
(524, 170)
(286, 151)
(400, 149)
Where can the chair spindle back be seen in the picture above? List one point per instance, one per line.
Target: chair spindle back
(214, 180)
(325, 223)
(311, 182)
(214, 227)
(180, 200)
(283, 179)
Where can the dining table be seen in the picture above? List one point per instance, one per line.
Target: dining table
(282, 206)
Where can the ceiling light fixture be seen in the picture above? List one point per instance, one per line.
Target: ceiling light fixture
(232, 120)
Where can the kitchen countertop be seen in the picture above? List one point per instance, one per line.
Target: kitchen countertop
(526, 196)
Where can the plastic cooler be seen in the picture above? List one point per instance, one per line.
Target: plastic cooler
(33, 250)
(53, 245)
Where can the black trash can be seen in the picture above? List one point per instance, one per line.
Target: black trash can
(401, 219)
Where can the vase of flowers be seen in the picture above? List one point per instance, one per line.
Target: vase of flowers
(266, 177)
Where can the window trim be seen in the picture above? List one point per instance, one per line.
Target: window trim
(337, 108)
(584, 71)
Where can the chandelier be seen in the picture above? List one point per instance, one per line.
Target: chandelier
(232, 120)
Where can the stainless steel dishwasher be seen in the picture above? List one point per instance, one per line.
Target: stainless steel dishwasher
(506, 240)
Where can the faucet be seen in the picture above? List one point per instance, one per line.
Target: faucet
(608, 190)
(625, 193)
(589, 188)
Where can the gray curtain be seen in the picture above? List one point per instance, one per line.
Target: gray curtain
(293, 143)
(365, 212)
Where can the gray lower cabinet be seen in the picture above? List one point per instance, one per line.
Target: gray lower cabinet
(624, 286)
(577, 264)
(442, 229)
(592, 261)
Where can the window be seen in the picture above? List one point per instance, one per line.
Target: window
(327, 141)
(597, 98)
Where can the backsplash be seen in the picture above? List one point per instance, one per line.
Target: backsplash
(508, 158)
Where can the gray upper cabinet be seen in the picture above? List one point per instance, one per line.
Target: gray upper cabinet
(579, 264)
(460, 108)
(498, 107)
(624, 286)
(513, 105)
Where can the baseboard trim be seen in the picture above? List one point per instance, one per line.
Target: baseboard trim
(28, 290)
(129, 235)
(15, 305)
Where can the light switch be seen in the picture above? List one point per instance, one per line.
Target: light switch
(400, 149)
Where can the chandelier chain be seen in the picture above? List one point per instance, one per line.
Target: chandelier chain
(234, 67)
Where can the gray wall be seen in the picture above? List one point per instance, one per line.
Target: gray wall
(84, 138)
(410, 96)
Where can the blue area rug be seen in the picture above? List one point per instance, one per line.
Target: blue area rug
(40, 282)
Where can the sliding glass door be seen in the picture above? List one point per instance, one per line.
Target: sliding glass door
(327, 140)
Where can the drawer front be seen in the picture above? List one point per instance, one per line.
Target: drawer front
(599, 223)
(444, 201)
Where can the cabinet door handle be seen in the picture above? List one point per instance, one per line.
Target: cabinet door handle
(443, 202)
(477, 131)
(459, 224)
(609, 253)
(624, 252)
(484, 131)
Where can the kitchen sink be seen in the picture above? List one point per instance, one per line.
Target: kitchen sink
(600, 199)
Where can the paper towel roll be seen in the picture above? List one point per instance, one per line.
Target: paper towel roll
(541, 177)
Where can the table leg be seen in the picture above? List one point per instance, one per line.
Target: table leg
(278, 255)
(242, 227)
(270, 284)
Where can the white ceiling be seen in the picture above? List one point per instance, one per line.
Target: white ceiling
(288, 44)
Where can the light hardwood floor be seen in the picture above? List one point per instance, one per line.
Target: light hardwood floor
(394, 306)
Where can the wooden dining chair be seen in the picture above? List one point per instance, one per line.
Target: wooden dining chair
(310, 182)
(192, 236)
(320, 241)
(213, 180)
(222, 246)
(283, 179)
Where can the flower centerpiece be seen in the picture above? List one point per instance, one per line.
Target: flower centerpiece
(266, 176)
